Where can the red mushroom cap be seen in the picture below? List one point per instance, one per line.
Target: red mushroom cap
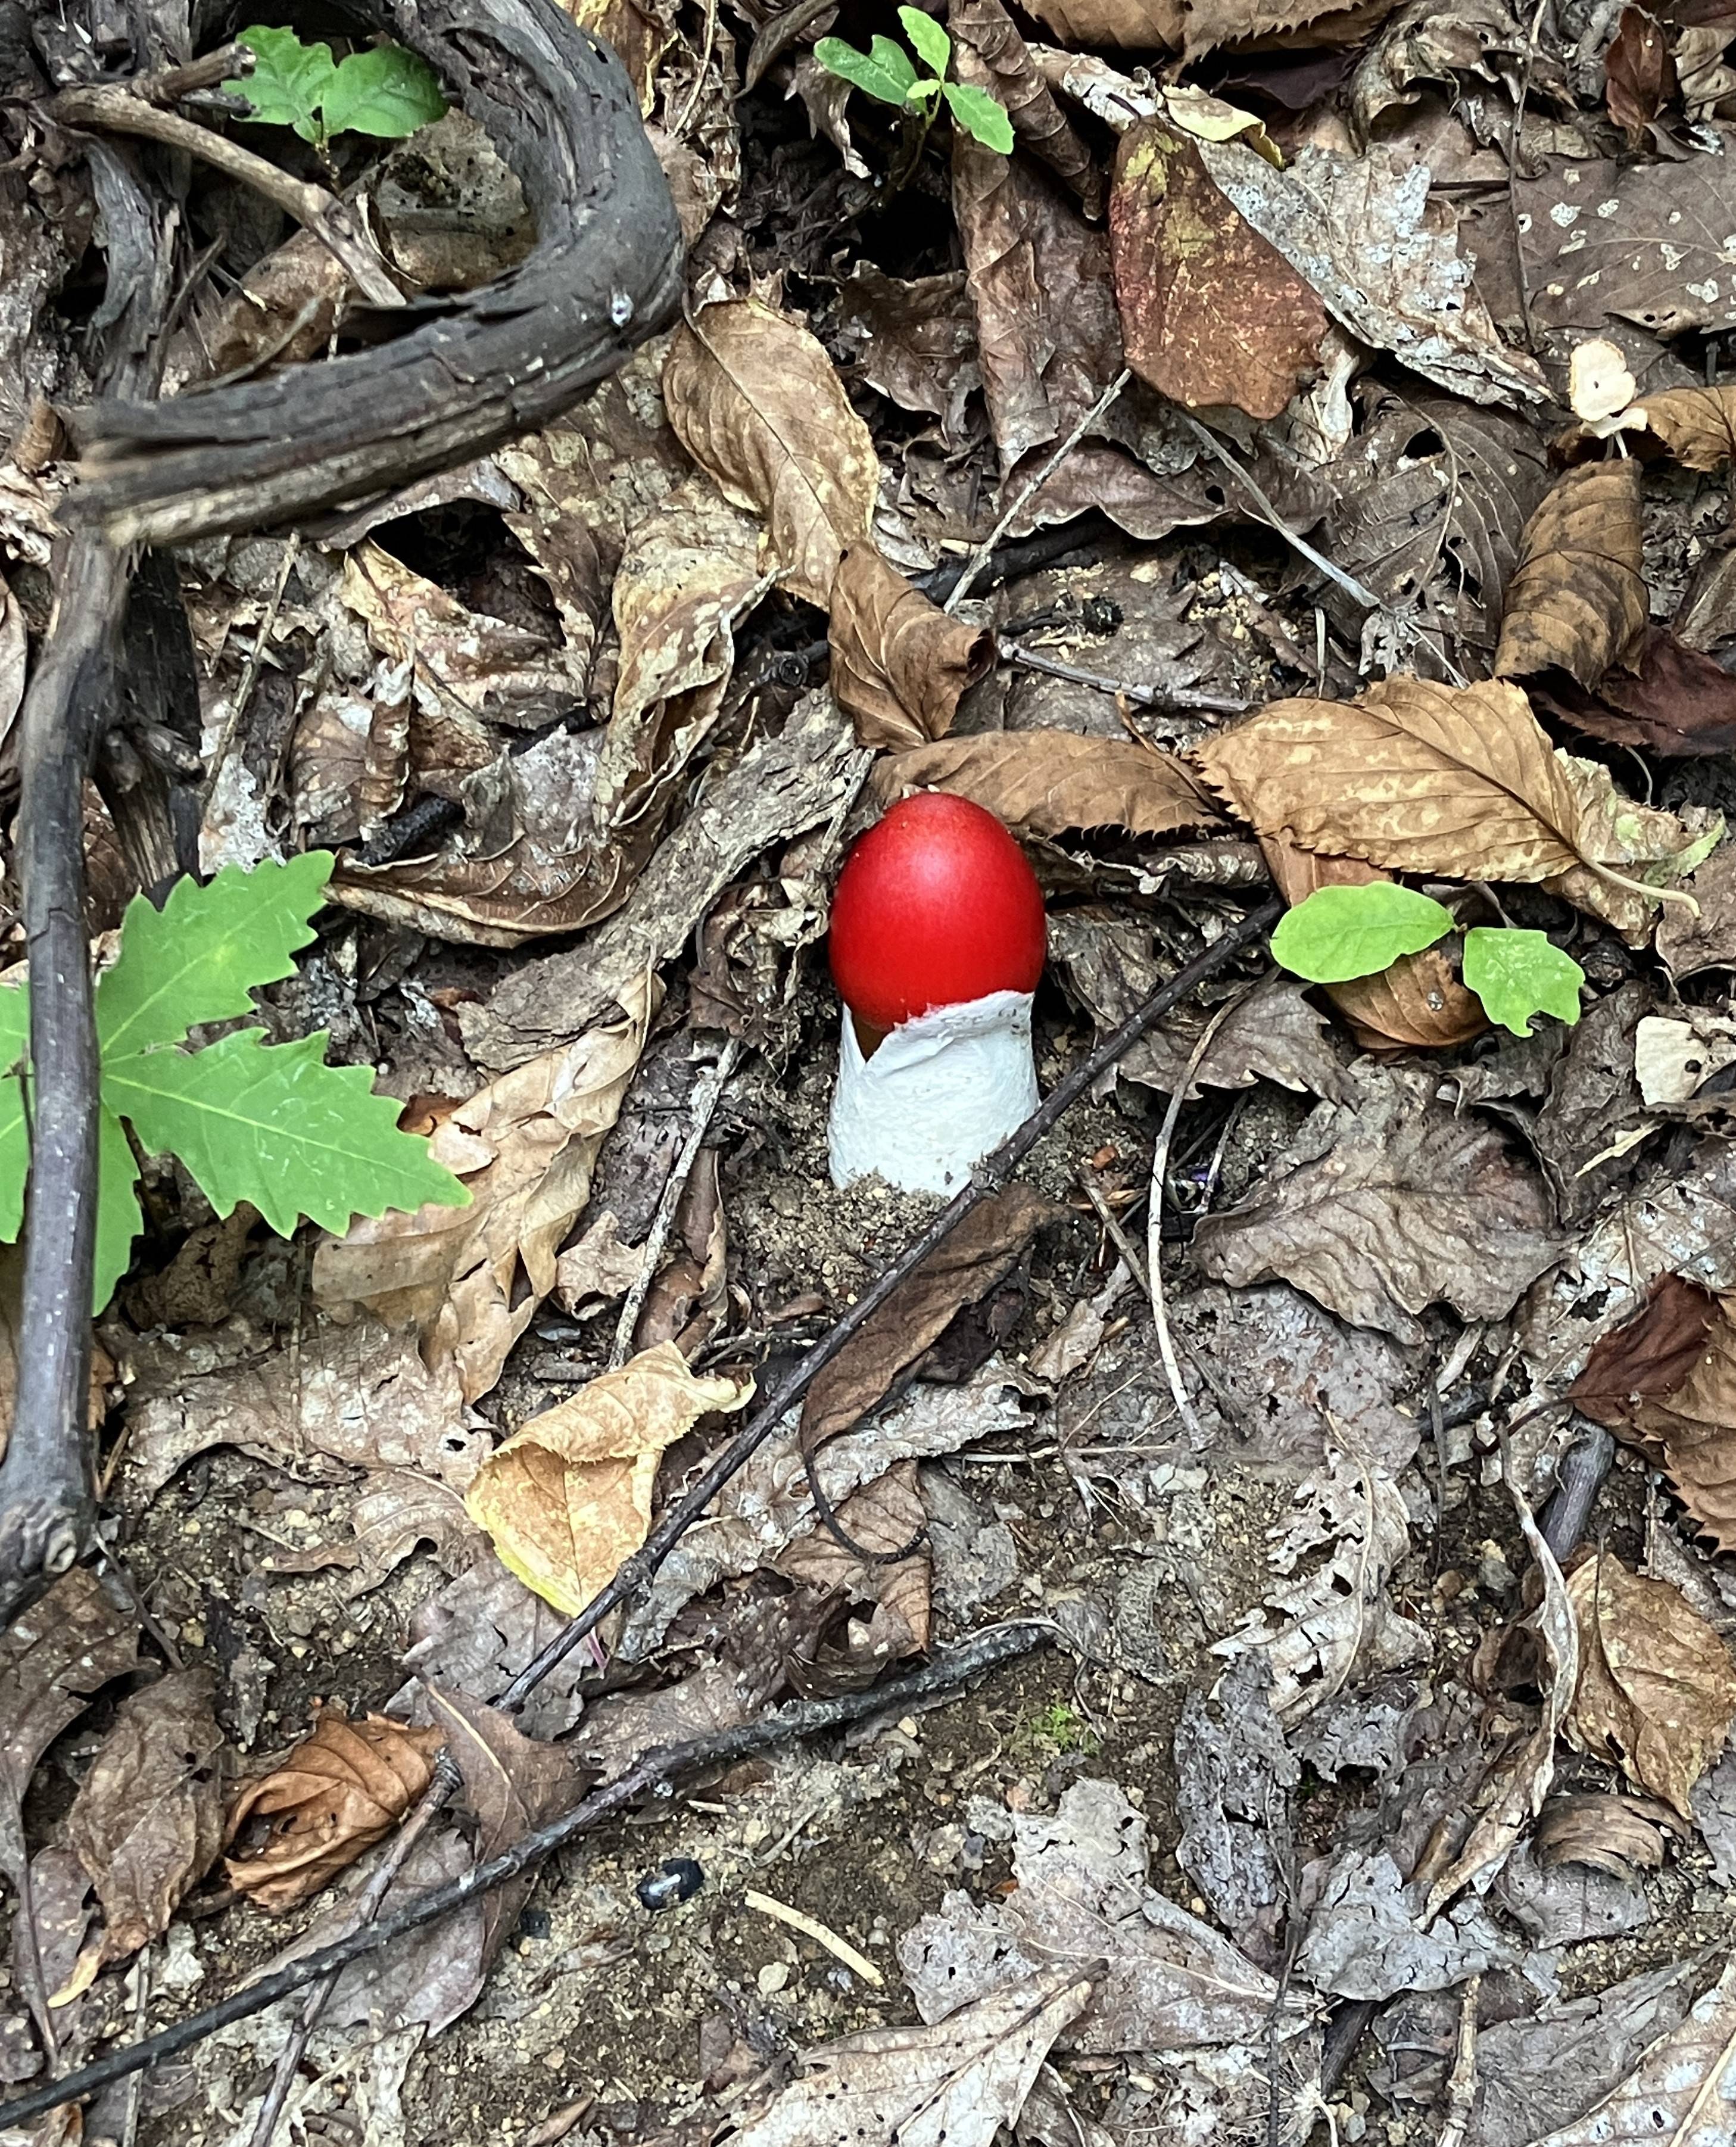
(935, 905)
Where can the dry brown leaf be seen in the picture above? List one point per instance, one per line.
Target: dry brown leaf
(1044, 782)
(1649, 1356)
(1030, 102)
(1640, 74)
(525, 1147)
(638, 36)
(1424, 778)
(1681, 2093)
(343, 1788)
(1417, 1004)
(914, 341)
(756, 404)
(1577, 600)
(148, 1821)
(1201, 25)
(1673, 700)
(567, 1497)
(1657, 1691)
(1698, 425)
(885, 1517)
(899, 662)
(1211, 313)
(1610, 1832)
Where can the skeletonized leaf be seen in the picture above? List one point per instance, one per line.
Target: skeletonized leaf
(898, 663)
(1696, 424)
(344, 1787)
(1211, 312)
(274, 1125)
(756, 402)
(1657, 1691)
(1045, 782)
(148, 1818)
(568, 1498)
(1577, 600)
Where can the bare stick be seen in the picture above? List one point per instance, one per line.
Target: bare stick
(118, 111)
(1154, 1221)
(706, 1092)
(1359, 592)
(635, 1574)
(250, 674)
(1183, 698)
(979, 559)
(765, 1733)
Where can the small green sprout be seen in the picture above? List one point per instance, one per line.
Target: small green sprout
(384, 91)
(885, 71)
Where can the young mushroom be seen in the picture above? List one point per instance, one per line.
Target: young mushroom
(937, 940)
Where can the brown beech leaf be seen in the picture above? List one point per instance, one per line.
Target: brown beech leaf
(1044, 782)
(758, 404)
(1419, 777)
(1696, 424)
(343, 1788)
(1648, 1357)
(148, 1821)
(1211, 313)
(1669, 699)
(1657, 1691)
(1640, 75)
(1417, 1004)
(899, 662)
(1577, 600)
(567, 1497)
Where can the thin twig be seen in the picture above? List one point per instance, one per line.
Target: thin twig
(1154, 1221)
(442, 1785)
(1183, 699)
(115, 110)
(990, 1175)
(1462, 2083)
(250, 673)
(1116, 1231)
(169, 85)
(1358, 592)
(765, 1733)
(979, 559)
(1515, 145)
(707, 1090)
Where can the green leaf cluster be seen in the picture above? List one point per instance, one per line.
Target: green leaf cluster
(1342, 932)
(885, 71)
(384, 91)
(271, 1124)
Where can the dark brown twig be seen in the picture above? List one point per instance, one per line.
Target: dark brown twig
(722, 1748)
(989, 1177)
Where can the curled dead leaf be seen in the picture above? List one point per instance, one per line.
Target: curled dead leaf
(567, 1497)
(1045, 782)
(1657, 1690)
(343, 1788)
(1640, 75)
(1577, 600)
(1211, 312)
(1612, 1833)
(1698, 425)
(899, 662)
(1037, 120)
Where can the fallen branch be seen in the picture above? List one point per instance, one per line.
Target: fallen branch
(721, 1747)
(989, 1177)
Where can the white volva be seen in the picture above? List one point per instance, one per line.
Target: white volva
(938, 1095)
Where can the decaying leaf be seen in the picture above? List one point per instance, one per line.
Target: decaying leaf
(1639, 73)
(1211, 313)
(1673, 1059)
(1698, 425)
(148, 1821)
(886, 1518)
(343, 1788)
(959, 2081)
(899, 662)
(1043, 782)
(1337, 1618)
(1657, 1691)
(1030, 102)
(1683, 2090)
(525, 1147)
(914, 340)
(567, 1497)
(1663, 696)
(1577, 600)
(1197, 25)
(757, 403)
(1607, 1830)
(1386, 1204)
(1460, 780)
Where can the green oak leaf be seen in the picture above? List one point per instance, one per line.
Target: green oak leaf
(929, 43)
(289, 81)
(118, 1218)
(201, 956)
(1339, 933)
(274, 1125)
(1517, 974)
(981, 115)
(883, 70)
(14, 1158)
(385, 91)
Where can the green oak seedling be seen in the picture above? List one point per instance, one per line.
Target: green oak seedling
(384, 91)
(886, 71)
(1342, 932)
(269, 1124)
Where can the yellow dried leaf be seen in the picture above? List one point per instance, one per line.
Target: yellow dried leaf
(1577, 600)
(1043, 782)
(1657, 1691)
(756, 402)
(568, 1498)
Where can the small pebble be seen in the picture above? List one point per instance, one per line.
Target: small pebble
(772, 1977)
